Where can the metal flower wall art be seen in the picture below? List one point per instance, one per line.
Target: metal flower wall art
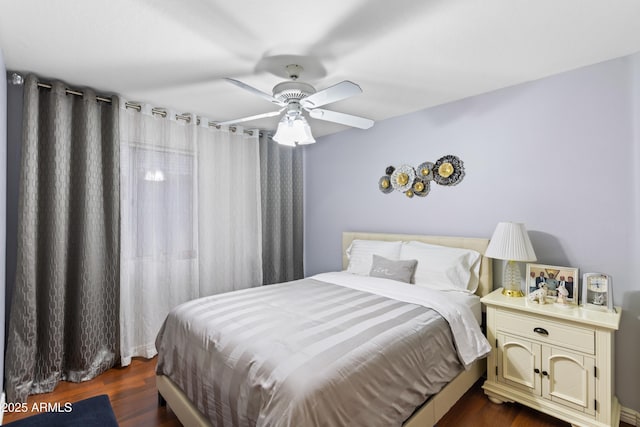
(447, 170)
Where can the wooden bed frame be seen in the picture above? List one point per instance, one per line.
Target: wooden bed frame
(434, 408)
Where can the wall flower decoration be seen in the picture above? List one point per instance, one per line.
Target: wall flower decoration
(447, 170)
(421, 187)
(384, 184)
(402, 178)
(425, 171)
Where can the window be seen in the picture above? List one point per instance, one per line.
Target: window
(162, 204)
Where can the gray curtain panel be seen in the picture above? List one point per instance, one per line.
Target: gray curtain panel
(64, 315)
(282, 211)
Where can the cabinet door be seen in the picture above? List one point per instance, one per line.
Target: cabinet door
(518, 360)
(570, 380)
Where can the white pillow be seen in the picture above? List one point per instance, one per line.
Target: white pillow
(442, 267)
(360, 254)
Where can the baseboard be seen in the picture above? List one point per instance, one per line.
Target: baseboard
(630, 416)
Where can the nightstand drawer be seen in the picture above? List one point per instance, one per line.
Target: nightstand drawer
(547, 331)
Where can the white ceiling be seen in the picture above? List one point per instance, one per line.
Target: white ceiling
(405, 54)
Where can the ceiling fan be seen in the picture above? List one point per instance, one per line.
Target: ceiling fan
(295, 97)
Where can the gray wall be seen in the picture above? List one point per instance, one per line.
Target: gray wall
(3, 193)
(559, 154)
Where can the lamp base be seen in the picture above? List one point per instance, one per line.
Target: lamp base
(512, 292)
(511, 280)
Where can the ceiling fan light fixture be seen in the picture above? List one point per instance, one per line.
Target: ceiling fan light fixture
(293, 131)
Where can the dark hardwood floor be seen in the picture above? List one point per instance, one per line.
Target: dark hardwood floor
(133, 395)
(132, 391)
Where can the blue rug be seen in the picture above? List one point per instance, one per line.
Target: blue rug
(92, 412)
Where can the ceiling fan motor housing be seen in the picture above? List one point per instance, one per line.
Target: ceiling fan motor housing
(292, 91)
(294, 110)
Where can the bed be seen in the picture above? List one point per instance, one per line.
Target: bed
(195, 411)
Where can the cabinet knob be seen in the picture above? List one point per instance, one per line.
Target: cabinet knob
(541, 331)
(545, 373)
(536, 370)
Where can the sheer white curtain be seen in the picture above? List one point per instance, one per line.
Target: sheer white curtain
(229, 226)
(190, 219)
(158, 258)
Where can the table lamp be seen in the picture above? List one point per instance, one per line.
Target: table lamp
(511, 243)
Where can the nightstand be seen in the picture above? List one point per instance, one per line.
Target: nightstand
(556, 360)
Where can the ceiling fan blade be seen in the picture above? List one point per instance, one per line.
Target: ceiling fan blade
(247, 119)
(342, 118)
(337, 92)
(253, 90)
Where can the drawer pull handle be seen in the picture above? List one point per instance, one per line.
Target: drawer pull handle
(541, 331)
(536, 370)
(545, 373)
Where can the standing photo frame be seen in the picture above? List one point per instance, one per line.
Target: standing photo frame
(556, 279)
(597, 291)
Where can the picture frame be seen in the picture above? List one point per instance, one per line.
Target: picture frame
(597, 291)
(555, 277)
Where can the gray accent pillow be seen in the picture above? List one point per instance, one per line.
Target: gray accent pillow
(400, 270)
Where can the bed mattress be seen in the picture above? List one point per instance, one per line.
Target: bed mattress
(320, 351)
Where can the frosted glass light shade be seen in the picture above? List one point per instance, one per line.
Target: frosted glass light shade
(510, 242)
(293, 132)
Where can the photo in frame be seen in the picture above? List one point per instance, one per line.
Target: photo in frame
(597, 291)
(556, 278)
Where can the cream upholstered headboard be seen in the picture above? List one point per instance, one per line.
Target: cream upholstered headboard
(485, 285)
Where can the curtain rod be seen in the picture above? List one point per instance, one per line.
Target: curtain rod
(138, 107)
(186, 117)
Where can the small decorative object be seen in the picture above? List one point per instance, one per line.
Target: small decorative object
(539, 295)
(421, 188)
(555, 278)
(448, 170)
(384, 184)
(402, 178)
(510, 242)
(425, 171)
(597, 291)
(563, 293)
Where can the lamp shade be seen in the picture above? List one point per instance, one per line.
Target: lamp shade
(510, 241)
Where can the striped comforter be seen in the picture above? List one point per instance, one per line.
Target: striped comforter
(314, 352)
